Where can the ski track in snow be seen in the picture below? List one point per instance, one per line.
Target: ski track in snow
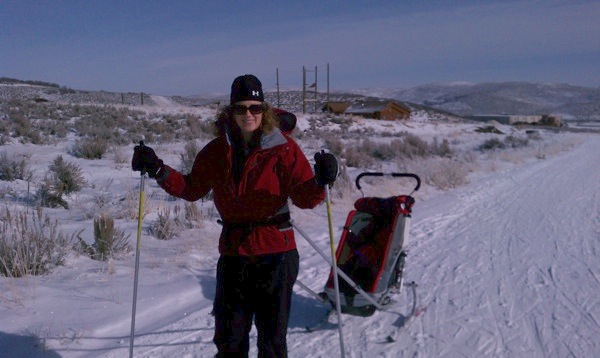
(496, 288)
(492, 286)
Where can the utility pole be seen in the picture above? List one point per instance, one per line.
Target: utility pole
(277, 78)
(316, 93)
(327, 86)
(304, 91)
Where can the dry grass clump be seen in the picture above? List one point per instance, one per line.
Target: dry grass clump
(193, 216)
(13, 169)
(30, 243)
(165, 227)
(168, 225)
(130, 206)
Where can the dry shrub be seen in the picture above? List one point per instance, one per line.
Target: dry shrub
(411, 146)
(442, 173)
(30, 243)
(130, 206)
(508, 142)
(62, 178)
(188, 156)
(335, 146)
(119, 155)
(343, 186)
(50, 195)
(441, 149)
(165, 227)
(516, 142)
(109, 241)
(66, 176)
(89, 148)
(13, 169)
(364, 153)
(357, 158)
(192, 215)
(492, 144)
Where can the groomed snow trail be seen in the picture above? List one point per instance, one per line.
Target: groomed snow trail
(509, 266)
(164, 101)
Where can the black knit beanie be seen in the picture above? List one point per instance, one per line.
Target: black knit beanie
(245, 88)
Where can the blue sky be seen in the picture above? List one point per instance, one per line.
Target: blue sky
(194, 47)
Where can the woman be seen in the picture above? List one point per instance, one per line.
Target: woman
(253, 169)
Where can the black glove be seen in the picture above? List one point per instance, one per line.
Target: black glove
(326, 168)
(145, 160)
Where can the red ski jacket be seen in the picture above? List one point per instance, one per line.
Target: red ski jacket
(275, 171)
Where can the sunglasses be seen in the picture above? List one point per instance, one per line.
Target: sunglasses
(241, 109)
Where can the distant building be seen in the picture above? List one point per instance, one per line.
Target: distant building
(387, 110)
(551, 120)
(336, 107)
(506, 119)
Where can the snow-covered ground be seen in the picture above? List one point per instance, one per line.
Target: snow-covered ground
(507, 266)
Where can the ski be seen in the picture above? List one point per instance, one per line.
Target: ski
(405, 321)
(391, 338)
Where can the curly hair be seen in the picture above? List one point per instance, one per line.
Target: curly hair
(224, 119)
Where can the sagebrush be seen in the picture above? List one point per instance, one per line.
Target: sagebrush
(12, 169)
(62, 178)
(90, 148)
(109, 241)
(31, 243)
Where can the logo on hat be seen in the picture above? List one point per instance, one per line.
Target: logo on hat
(256, 93)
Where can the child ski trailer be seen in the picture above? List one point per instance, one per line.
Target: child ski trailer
(371, 254)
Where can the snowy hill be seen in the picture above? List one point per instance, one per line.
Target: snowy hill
(571, 102)
(504, 241)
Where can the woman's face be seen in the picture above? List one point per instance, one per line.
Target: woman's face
(248, 116)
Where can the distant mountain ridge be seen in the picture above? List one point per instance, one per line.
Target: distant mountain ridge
(524, 98)
(461, 98)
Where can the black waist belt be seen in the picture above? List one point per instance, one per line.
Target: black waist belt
(281, 221)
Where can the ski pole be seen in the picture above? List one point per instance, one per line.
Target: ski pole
(336, 285)
(137, 257)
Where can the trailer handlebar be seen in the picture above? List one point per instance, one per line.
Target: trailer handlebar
(393, 175)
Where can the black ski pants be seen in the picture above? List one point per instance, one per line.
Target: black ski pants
(254, 288)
